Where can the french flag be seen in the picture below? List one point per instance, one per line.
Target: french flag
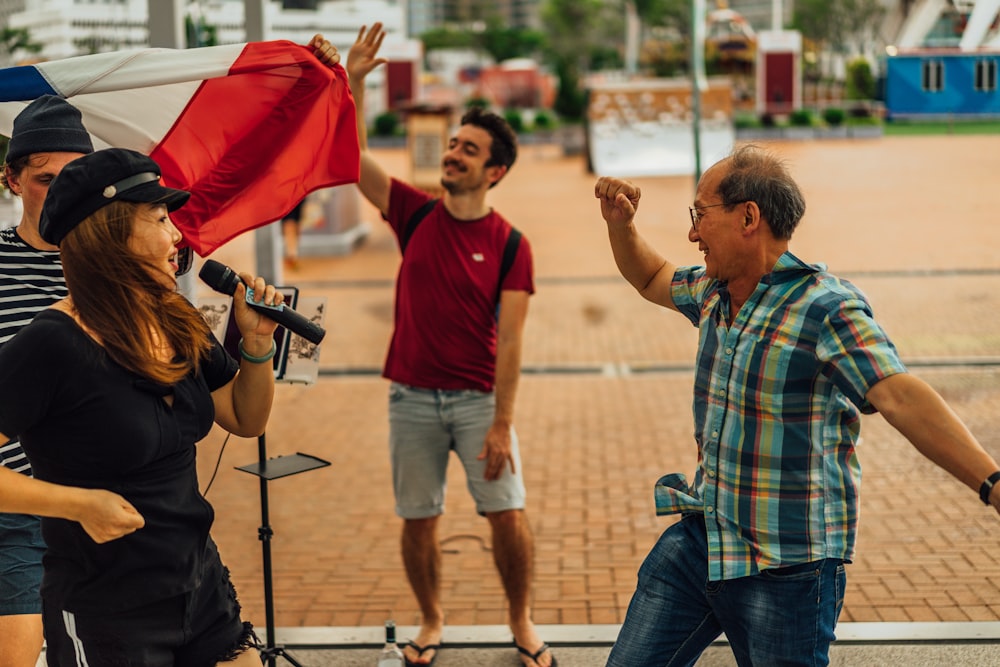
(248, 129)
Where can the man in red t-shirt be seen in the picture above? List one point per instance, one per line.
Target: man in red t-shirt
(454, 358)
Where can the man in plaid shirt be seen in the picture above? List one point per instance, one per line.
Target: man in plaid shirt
(788, 356)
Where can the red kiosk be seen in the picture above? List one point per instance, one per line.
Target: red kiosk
(779, 71)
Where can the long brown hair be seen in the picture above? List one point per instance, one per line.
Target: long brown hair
(117, 296)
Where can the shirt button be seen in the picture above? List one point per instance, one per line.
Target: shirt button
(709, 509)
(715, 434)
(729, 350)
(722, 392)
(711, 473)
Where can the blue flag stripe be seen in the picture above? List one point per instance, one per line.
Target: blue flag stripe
(23, 83)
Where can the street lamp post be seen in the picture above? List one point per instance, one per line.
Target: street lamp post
(698, 82)
(265, 238)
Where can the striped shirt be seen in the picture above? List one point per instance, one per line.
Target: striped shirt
(777, 397)
(30, 281)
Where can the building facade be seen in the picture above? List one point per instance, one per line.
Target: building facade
(937, 83)
(426, 15)
(77, 27)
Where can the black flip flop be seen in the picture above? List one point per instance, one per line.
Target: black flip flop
(420, 652)
(536, 655)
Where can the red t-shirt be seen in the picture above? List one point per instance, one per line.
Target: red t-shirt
(445, 334)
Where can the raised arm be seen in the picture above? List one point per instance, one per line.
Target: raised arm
(914, 409)
(363, 57)
(243, 406)
(641, 265)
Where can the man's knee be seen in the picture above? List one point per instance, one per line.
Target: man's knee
(420, 529)
(507, 519)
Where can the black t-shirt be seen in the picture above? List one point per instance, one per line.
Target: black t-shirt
(86, 421)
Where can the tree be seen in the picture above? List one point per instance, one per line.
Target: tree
(860, 82)
(580, 33)
(674, 14)
(18, 39)
(200, 33)
(447, 38)
(665, 35)
(845, 26)
(504, 43)
(496, 39)
(862, 19)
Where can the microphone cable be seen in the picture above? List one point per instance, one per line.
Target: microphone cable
(217, 463)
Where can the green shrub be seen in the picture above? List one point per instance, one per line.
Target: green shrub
(867, 119)
(514, 119)
(834, 116)
(860, 82)
(571, 99)
(800, 118)
(544, 121)
(386, 124)
(480, 102)
(745, 121)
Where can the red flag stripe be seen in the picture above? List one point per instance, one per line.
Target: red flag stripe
(251, 145)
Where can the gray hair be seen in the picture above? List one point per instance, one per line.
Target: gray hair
(759, 176)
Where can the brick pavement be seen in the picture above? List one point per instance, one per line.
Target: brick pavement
(604, 405)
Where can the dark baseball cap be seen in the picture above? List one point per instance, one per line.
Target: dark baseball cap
(50, 124)
(93, 181)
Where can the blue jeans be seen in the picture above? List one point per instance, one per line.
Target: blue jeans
(784, 616)
(21, 551)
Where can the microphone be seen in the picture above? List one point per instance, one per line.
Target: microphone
(223, 279)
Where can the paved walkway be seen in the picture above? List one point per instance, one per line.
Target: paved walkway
(604, 403)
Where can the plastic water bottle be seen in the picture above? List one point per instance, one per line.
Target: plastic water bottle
(390, 656)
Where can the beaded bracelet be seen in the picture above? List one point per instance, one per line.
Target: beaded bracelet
(987, 487)
(257, 360)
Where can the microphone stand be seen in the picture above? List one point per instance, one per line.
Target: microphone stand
(267, 470)
(281, 466)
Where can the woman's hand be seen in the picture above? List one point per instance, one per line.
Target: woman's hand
(256, 328)
(106, 516)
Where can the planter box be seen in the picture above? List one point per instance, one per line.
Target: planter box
(839, 132)
(864, 131)
(799, 133)
(572, 138)
(806, 133)
(762, 133)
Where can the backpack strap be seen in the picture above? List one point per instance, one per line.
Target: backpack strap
(509, 249)
(411, 224)
(509, 253)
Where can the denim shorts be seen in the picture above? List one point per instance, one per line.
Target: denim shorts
(198, 629)
(784, 616)
(21, 551)
(425, 425)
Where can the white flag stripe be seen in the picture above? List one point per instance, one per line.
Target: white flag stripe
(137, 69)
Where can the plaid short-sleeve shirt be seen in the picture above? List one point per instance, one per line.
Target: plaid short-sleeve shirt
(777, 397)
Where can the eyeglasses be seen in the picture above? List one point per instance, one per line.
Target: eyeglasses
(696, 217)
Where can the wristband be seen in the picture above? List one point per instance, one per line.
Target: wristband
(987, 487)
(267, 357)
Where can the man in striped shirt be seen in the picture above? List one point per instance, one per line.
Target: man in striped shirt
(789, 355)
(46, 136)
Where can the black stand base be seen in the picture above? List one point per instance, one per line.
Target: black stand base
(268, 469)
(269, 655)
